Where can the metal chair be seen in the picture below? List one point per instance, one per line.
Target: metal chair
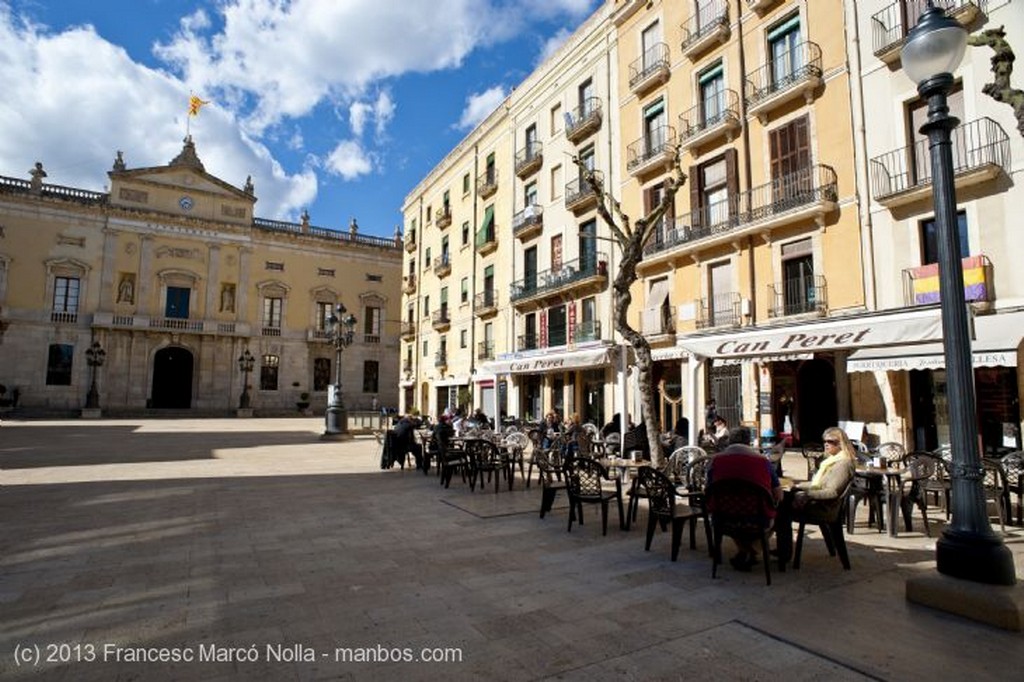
(828, 516)
(583, 477)
(994, 484)
(814, 455)
(919, 469)
(551, 481)
(664, 507)
(1013, 474)
(742, 510)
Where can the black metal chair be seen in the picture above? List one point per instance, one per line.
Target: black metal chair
(551, 481)
(828, 515)
(740, 509)
(664, 506)
(584, 477)
(919, 469)
(486, 459)
(1013, 473)
(814, 455)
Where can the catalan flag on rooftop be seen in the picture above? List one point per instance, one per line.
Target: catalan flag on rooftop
(194, 104)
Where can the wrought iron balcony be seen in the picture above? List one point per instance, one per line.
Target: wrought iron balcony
(487, 183)
(528, 342)
(921, 283)
(584, 120)
(408, 330)
(441, 358)
(708, 26)
(440, 319)
(442, 265)
(410, 241)
(711, 120)
(589, 330)
(409, 284)
(797, 73)
(655, 152)
(579, 196)
(798, 296)
(485, 350)
(529, 159)
(486, 303)
(487, 240)
(889, 26)
(653, 68)
(583, 273)
(981, 152)
(805, 194)
(720, 310)
(444, 217)
(528, 223)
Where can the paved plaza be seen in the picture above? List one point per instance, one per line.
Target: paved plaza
(250, 549)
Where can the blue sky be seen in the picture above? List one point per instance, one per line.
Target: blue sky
(336, 106)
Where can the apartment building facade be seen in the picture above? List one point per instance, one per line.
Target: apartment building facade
(175, 279)
(899, 391)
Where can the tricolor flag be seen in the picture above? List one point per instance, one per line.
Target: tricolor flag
(194, 104)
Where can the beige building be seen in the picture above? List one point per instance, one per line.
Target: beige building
(507, 288)
(175, 279)
(900, 390)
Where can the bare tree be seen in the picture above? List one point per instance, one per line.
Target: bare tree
(1002, 68)
(631, 239)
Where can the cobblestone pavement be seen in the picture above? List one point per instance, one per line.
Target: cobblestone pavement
(260, 552)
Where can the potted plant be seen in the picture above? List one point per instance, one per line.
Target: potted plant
(303, 402)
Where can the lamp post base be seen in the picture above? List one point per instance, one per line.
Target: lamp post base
(975, 557)
(336, 422)
(1001, 606)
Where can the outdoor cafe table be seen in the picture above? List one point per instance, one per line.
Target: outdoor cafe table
(885, 480)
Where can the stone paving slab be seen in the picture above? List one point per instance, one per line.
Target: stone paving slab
(265, 535)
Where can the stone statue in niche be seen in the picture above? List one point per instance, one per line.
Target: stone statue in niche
(126, 289)
(227, 298)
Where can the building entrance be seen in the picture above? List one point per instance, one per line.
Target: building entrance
(172, 378)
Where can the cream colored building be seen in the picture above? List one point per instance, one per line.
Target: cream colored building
(899, 390)
(175, 278)
(518, 315)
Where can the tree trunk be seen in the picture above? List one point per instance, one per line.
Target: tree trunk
(1002, 69)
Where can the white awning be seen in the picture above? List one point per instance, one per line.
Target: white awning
(669, 353)
(861, 331)
(553, 362)
(787, 357)
(928, 356)
(460, 380)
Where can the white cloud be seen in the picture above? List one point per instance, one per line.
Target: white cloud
(552, 44)
(349, 160)
(118, 104)
(358, 112)
(479, 105)
(384, 111)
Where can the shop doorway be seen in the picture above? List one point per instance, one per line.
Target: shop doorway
(172, 379)
(816, 399)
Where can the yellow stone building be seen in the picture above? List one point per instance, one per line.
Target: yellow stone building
(175, 279)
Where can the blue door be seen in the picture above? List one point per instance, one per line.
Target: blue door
(177, 302)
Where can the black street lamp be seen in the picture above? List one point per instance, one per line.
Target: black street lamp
(245, 364)
(342, 330)
(94, 357)
(968, 548)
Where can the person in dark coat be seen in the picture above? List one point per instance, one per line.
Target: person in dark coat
(404, 442)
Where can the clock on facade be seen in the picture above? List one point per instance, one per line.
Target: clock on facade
(186, 203)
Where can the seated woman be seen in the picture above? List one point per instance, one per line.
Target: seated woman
(833, 475)
(551, 428)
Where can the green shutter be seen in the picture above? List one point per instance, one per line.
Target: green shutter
(785, 27)
(654, 109)
(711, 73)
(489, 271)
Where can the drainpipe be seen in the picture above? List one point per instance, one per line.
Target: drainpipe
(748, 182)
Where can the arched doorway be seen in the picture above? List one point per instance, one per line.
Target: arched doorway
(816, 399)
(172, 378)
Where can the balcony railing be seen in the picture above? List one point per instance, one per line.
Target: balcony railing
(590, 330)
(440, 319)
(579, 196)
(654, 151)
(408, 330)
(796, 72)
(486, 302)
(487, 240)
(529, 222)
(485, 350)
(528, 342)
(442, 265)
(566, 275)
(444, 217)
(797, 296)
(195, 326)
(652, 68)
(981, 150)
(270, 331)
(64, 317)
(712, 119)
(441, 359)
(409, 284)
(487, 183)
(720, 310)
(805, 193)
(584, 120)
(410, 241)
(921, 284)
(889, 26)
(709, 25)
(529, 159)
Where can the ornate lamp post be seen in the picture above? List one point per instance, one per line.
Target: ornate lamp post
(245, 364)
(94, 357)
(968, 548)
(342, 330)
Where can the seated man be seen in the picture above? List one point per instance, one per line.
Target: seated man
(739, 460)
(404, 442)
